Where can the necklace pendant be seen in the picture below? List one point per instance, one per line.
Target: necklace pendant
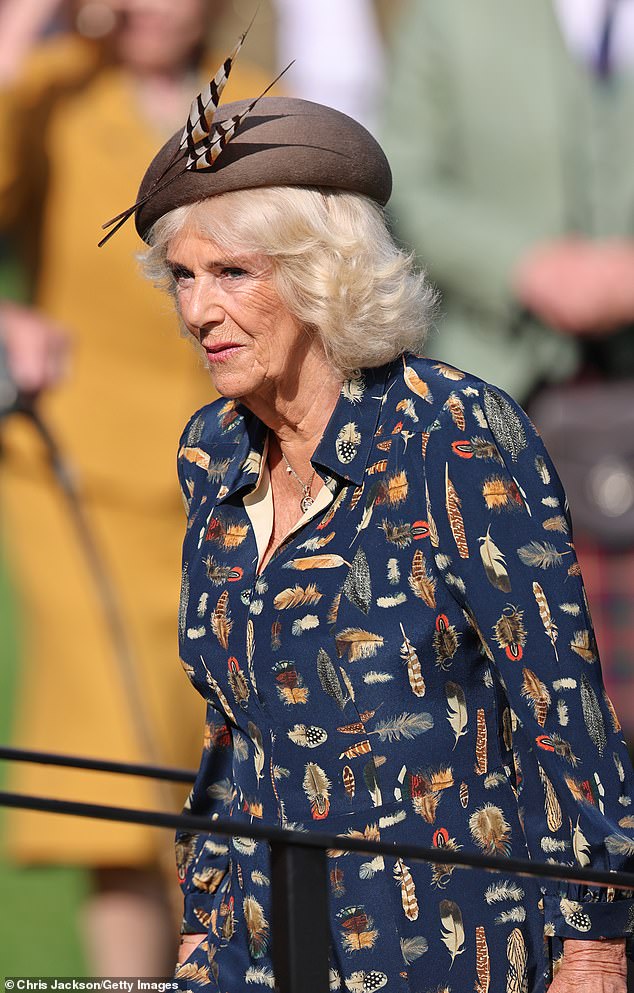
(306, 502)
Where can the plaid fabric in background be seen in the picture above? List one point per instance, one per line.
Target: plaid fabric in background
(609, 580)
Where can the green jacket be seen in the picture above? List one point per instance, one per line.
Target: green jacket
(498, 139)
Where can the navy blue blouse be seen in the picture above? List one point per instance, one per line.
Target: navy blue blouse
(415, 663)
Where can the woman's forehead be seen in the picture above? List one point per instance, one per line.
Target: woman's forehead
(190, 244)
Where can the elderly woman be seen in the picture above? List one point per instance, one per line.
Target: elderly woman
(380, 599)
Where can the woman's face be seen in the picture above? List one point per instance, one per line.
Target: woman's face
(157, 35)
(229, 303)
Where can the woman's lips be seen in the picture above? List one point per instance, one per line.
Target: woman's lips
(221, 351)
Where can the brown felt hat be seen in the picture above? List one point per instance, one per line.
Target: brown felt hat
(283, 142)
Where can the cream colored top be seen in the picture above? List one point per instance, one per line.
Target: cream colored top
(259, 507)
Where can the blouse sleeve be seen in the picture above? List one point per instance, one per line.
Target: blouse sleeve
(506, 553)
(202, 859)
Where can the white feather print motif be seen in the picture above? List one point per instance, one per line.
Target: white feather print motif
(562, 712)
(516, 915)
(353, 389)
(368, 870)
(211, 682)
(494, 563)
(307, 623)
(404, 725)
(347, 443)
(542, 470)
(541, 555)
(456, 709)
(258, 756)
(317, 789)
(497, 892)
(391, 601)
(393, 572)
(580, 845)
(260, 975)
(452, 928)
(413, 948)
(373, 677)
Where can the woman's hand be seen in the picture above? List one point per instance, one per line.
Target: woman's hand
(592, 967)
(189, 943)
(36, 348)
(579, 287)
(21, 25)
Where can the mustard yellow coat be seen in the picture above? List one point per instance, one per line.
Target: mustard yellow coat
(76, 149)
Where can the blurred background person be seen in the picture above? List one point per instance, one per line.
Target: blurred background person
(77, 112)
(339, 54)
(509, 129)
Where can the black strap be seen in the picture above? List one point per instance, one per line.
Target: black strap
(604, 55)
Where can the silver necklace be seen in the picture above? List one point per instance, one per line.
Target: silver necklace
(306, 501)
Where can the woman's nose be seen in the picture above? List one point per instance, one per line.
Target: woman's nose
(200, 307)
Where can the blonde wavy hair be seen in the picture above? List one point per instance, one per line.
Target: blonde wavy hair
(335, 266)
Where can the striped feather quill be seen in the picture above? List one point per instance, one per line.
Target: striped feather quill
(546, 617)
(403, 877)
(483, 964)
(221, 622)
(414, 672)
(421, 582)
(456, 523)
(552, 807)
(537, 695)
(516, 977)
(202, 141)
(481, 762)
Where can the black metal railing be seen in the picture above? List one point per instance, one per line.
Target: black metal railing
(299, 860)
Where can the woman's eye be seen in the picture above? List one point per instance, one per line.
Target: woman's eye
(181, 276)
(233, 272)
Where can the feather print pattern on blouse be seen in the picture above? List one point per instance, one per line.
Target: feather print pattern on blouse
(415, 664)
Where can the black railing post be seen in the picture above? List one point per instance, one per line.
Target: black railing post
(301, 935)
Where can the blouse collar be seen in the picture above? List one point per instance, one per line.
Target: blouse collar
(343, 451)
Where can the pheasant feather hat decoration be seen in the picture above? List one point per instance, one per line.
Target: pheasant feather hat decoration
(202, 139)
(288, 142)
